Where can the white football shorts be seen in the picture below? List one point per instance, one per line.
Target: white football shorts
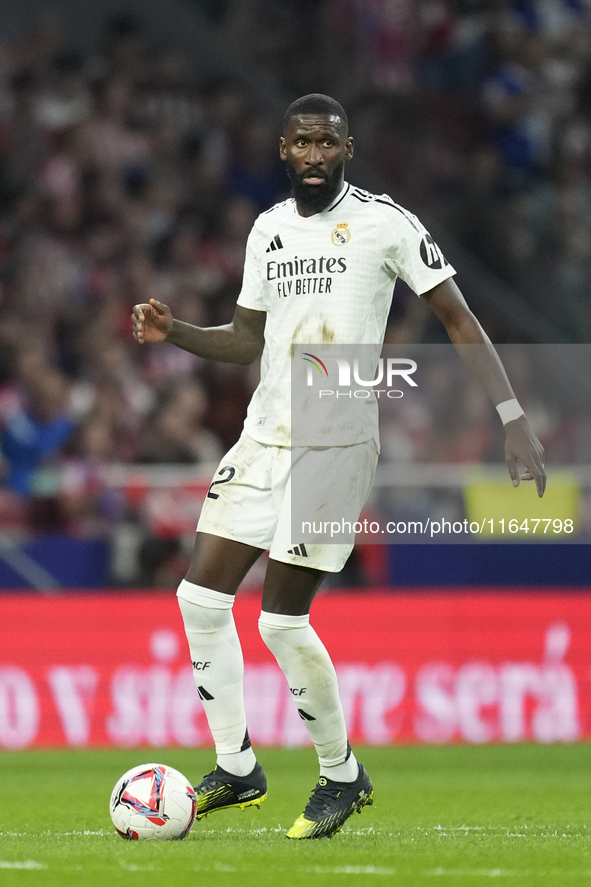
(250, 498)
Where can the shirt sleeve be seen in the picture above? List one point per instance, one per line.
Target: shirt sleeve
(252, 292)
(412, 254)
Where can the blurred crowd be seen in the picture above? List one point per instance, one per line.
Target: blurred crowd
(483, 123)
(125, 174)
(123, 177)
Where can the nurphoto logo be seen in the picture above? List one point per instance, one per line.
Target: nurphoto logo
(389, 370)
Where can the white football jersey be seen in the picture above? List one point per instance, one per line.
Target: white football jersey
(328, 279)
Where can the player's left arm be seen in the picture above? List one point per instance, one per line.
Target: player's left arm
(521, 444)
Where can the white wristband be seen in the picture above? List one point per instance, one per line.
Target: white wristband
(509, 410)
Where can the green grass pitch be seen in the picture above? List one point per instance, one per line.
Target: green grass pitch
(516, 815)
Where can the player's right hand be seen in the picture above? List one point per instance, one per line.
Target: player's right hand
(151, 321)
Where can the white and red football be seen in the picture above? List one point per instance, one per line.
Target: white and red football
(153, 802)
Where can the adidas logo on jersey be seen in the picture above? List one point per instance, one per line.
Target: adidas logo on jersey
(275, 244)
(298, 550)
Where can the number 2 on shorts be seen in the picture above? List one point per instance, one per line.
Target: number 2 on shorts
(229, 472)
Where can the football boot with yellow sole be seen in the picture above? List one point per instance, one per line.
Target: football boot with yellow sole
(330, 805)
(220, 790)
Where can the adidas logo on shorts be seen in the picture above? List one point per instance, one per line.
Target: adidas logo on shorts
(298, 550)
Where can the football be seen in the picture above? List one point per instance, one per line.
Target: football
(153, 802)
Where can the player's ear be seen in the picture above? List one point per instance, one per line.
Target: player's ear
(349, 148)
(282, 148)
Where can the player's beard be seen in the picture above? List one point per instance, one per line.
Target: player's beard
(315, 198)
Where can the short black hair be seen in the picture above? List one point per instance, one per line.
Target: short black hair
(316, 103)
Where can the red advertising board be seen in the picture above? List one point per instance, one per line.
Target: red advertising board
(113, 670)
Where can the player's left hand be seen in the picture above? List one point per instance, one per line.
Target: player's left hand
(521, 445)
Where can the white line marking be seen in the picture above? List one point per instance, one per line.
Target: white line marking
(29, 864)
(130, 867)
(482, 873)
(351, 870)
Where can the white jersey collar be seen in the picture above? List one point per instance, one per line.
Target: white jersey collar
(338, 198)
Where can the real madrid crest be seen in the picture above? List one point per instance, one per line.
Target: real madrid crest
(341, 234)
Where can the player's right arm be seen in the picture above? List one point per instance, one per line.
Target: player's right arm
(240, 341)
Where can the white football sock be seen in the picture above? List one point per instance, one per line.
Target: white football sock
(218, 669)
(312, 679)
